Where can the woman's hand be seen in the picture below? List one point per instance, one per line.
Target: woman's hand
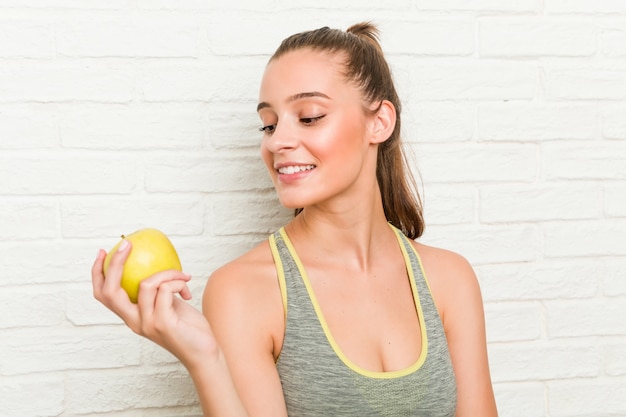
(159, 314)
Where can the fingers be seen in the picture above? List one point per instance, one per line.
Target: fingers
(165, 296)
(97, 275)
(156, 299)
(116, 267)
(107, 288)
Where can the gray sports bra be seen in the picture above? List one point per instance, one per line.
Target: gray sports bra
(318, 380)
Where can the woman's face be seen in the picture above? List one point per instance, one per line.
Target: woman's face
(315, 130)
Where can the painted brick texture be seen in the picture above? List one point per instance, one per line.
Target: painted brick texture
(122, 114)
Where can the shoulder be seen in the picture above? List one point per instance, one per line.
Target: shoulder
(451, 278)
(243, 297)
(243, 305)
(254, 269)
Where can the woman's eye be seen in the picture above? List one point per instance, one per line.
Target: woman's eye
(307, 121)
(268, 129)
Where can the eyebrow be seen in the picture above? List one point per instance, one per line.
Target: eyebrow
(295, 97)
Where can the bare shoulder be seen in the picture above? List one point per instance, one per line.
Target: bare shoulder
(243, 297)
(451, 278)
(244, 275)
(242, 302)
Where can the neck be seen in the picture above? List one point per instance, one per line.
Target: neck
(352, 231)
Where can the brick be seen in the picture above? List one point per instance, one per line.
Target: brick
(57, 81)
(584, 82)
(584, 238)
(250, 213)
(531, 37)
(536, 121)
(82, 309)
(584, 6)
(126, 36)
(615, 200)
(613, 40)
(40, 262)
(233, 126)
(592, 160)
(96, 217)
(128, 389)
(23, 352)
(441, 122)
(28, 127)
(16, 395)
(586, 397)
(539, 202)
(183, 411)
(544, 360)
(206, 175)
(481, 245)
(206, 254)
(31, 306)
(69, 4)
(480, 5)
(429, 37)
(614, 122)
(141, 126)
(261, 37)
(473, 80)
(176, 5)
(547, 280)
(592, 317)
(26, 38)
(445, 205)
(202, 82)
(520, 399)
(28, 220)
(613, 277)
(364, 6)
(66, 175)
(510, 322)
(477, 163)
(614, 358)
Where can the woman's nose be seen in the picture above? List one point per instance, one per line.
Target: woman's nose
(283, 138)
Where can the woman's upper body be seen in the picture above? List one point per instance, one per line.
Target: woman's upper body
(331, 122)
(372, 320)
(321, 146)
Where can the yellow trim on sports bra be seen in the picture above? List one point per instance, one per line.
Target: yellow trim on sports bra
(280, 272)
(371, 374)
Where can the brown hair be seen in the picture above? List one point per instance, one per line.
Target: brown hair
(366, 66)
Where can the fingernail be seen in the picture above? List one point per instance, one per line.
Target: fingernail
(123, 245)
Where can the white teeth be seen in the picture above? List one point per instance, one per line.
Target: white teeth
(292, 169)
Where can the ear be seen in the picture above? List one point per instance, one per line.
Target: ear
(383, 122)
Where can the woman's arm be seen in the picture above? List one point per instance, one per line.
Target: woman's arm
(243, 304)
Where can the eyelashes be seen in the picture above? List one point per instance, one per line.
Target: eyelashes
(306, 121)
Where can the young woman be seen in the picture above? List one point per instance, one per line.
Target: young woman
(340, 312)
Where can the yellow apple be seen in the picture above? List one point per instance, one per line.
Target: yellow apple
(151, 252)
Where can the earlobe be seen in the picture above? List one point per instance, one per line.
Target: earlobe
(384, 122)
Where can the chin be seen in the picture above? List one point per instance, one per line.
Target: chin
(292, 203)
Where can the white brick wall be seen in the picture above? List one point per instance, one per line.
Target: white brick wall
(121, 114)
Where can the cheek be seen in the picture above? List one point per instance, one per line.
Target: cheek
(343, 138)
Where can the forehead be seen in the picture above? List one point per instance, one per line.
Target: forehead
(302, 70)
